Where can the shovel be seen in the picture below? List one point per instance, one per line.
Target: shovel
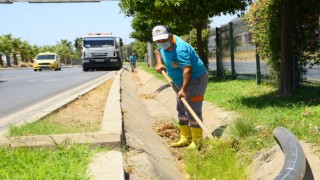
(186, 104)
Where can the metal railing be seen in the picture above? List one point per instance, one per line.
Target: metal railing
(231, 51)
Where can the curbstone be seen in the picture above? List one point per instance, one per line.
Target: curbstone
(103, 166)
(51, 141)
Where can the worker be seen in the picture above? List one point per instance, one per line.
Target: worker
(132, 62)
(189, 75)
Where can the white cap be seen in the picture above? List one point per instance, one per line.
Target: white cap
(160, 32)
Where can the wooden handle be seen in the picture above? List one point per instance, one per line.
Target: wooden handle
(166, 76)
(186, 104)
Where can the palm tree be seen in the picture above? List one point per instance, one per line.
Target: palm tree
(64, 49)
(78, 46)
(7, 47)
(34, 50)
(16, 45)
(24, 48)
(1, 50)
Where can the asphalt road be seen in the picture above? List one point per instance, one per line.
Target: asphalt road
(23, 88)
(249, 67)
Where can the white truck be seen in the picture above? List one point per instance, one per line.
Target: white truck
(101, 51)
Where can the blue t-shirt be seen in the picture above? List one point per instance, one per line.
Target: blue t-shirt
(132, 59)
(181, 55)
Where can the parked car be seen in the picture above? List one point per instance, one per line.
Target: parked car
(47, 60)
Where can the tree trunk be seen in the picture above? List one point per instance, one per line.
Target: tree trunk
(1, 60)
(15, 59)
(286, 67)
(23, 59)
(199, 27)
(8, 60)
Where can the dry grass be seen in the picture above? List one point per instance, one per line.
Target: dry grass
(147, 96)
(245, 55)
(240, 56)
(86, 112)
(21, 64)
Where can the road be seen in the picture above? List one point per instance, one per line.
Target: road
(249, 67)
(23, 88)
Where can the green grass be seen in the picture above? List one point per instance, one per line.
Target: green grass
(63, 163)
(152, 70)
(260, 105)
(43, 128)
(208, 165)
(260, 110)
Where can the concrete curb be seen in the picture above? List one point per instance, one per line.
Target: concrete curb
(112, 116)
(110, 165)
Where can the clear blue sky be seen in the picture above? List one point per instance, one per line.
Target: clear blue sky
(48, 23)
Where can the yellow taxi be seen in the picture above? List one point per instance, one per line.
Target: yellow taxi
(47, 60)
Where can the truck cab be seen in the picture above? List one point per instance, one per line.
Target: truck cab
(101, 51)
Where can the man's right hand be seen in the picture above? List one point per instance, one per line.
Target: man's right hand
(159, 64)
(160, 68)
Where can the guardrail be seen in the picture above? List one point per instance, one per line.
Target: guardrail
(296, 166)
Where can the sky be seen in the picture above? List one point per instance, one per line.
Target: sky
(47, 23)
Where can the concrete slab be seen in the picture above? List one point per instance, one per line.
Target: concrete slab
(107, 165)
(50, 141)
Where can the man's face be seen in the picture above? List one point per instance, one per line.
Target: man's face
(163, 40)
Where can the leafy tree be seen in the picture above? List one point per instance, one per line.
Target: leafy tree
(285, 30)
(264, 20)
(127, 50)
(140, 49)
(64, 49)
(181, 16)
(78, 46)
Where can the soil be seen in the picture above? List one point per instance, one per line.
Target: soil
(85, 113)
(268, 163)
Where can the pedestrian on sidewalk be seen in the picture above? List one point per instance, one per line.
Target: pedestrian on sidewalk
(133, 59)
(190, 76)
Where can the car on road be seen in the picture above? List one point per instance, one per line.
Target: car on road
(47, 60)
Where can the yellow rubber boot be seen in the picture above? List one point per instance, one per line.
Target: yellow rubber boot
(196, 138)
(185, 137)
